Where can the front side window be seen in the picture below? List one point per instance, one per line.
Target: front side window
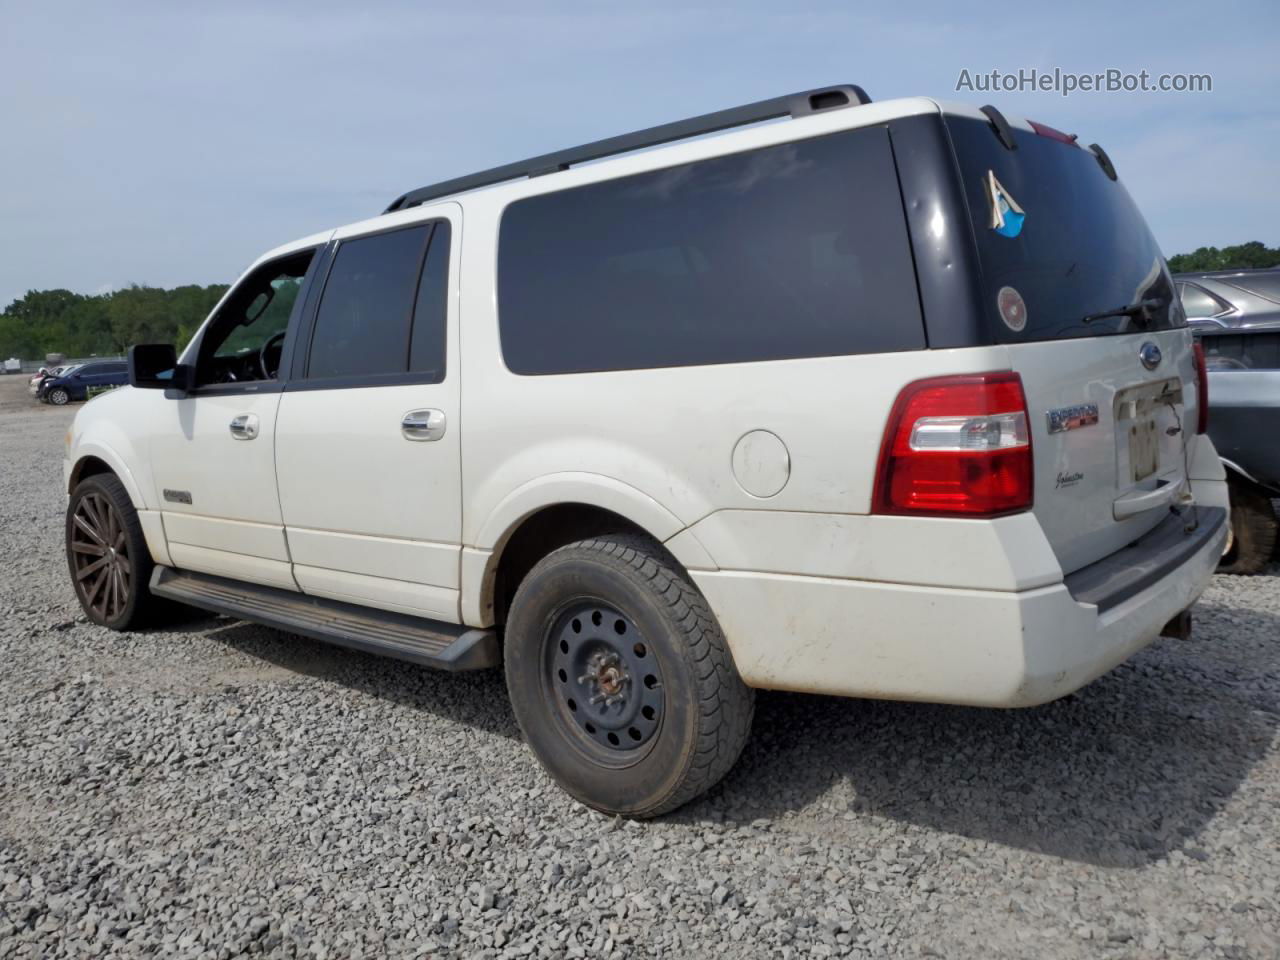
(795, 250)
(365, 317)
(244, 341)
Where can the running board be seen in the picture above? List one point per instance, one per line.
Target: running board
(431, 643)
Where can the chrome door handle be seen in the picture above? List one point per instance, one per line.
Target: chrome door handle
(245, 426)
(423, 425)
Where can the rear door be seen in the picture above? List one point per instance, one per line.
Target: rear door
(367, 440)
(1074, 284)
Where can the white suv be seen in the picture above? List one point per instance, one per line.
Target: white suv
(881, 400)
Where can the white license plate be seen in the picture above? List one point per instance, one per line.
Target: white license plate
(1144, 450)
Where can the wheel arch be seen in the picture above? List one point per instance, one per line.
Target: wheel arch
(92, 459)
(491, 576)
(1236, 472)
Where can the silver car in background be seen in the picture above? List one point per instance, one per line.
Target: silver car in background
(1235, 315)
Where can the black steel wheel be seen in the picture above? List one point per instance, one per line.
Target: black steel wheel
(107, 554)
(607, 683)
(620, 678)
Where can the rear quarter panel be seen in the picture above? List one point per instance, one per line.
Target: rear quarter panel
(659, 443)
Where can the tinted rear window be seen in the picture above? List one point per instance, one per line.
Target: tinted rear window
(1084, 247)
(797, 250)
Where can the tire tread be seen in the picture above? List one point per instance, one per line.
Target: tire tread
(726, 705)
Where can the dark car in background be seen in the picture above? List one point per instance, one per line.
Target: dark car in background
(79, 383)
(1235, 315)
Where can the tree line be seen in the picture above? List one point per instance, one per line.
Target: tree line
(80, 325)
(1243, 256)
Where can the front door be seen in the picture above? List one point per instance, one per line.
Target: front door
(213, 454)
(367, 438)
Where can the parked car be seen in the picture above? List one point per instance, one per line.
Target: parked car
(886, 400)
(33, 386)
(13, 365)
(1235, 314)
(82, 381)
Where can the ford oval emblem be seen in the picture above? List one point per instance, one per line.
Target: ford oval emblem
(1150, 355)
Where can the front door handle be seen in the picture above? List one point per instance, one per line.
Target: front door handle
(245, 426)
(423, 425)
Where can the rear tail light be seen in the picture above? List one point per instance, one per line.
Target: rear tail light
(957, 446)
(1202, 390)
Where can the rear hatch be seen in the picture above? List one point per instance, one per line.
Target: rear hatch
(1064, 256)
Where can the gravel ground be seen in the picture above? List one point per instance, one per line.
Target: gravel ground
(220, 789)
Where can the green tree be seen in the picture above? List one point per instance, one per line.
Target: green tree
(1243, 256)
(77, 325)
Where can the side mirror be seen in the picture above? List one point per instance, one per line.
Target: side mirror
(154, 366)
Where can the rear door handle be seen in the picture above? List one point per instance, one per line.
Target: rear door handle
(245, 426)
(423, 425)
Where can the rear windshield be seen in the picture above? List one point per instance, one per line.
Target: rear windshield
(1079, 248)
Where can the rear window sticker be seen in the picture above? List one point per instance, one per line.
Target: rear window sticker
(1012, 310)
(1006, 215)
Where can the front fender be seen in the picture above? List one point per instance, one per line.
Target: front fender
(108, 455)
(98, 431)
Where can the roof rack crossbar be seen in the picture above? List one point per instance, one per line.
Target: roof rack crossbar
(793, 105)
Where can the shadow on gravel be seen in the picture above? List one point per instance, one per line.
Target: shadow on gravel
(1119, 774)
(478, 699)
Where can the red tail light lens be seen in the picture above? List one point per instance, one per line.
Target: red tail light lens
(1053, 134)
(957, 446)
(1202, 390)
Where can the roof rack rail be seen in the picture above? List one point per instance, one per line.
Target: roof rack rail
(792, 105)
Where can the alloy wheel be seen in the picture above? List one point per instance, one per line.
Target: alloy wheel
(100, 557)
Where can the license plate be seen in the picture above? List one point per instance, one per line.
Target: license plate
(1144, 450)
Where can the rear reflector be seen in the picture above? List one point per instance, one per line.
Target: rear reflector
(957, 446)
(1202, 390)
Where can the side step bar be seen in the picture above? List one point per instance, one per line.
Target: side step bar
(431, 643)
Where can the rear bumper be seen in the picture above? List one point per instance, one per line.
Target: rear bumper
(992, 648)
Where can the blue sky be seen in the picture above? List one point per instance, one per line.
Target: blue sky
(169, 143)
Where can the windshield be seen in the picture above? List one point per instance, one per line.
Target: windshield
(1069, 255)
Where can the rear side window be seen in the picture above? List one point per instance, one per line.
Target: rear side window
(363, 322)
(797, 250)
(1199, 302)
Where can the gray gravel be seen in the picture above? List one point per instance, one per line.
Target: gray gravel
(221, 789)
